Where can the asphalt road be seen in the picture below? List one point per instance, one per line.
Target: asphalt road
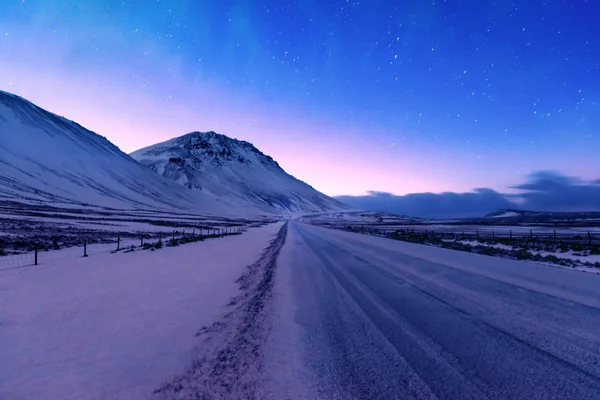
(383, 319)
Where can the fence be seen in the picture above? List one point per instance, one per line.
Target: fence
(42, 256)
(586, 238)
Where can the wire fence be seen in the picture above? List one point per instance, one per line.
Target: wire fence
(585, 238)
(41, 255)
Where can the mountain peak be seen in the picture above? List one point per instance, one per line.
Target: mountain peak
(206, 147)
(215, 163)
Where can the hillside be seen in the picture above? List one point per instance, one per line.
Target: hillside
(47, 159)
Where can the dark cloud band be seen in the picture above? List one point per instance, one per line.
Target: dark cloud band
(542, 191)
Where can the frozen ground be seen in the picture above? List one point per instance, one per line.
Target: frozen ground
(115, 326)
(570, 254)
(23, 228)
(294, 311)
(569, 243)
(381, 220)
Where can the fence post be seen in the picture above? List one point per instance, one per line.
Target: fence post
(85, 248)
(193, 233)
(531, 235)
(36, 255)
(142, 239)
(118, 242)
(159, 237)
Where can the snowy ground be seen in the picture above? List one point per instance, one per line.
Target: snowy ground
(568, 255)
(380, 220)
(49, 229)
(115, 326)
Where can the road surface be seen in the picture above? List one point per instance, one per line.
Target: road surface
(383, 319)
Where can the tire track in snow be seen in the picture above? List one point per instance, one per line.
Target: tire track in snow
(231, 361)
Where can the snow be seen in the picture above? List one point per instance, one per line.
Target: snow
(230, 168)
(476, 243)
(288, 376)
(529, 275)
(390, 319)
(570, 255)
(115, 326)
(517, 230)
(49, 159)
(506, 215)
(116, 222)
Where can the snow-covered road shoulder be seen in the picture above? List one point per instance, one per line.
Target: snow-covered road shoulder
(115, 326)
(231, 364)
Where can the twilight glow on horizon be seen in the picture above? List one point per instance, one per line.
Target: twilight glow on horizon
(349, 96)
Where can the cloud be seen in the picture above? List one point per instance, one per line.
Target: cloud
(543, 191)
(432, 205)
(552, 191)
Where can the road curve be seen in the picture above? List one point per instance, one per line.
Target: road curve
(383, 319)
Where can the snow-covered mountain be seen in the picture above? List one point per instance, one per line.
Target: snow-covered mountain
(45, 158)
(50, 160)
(208, 162)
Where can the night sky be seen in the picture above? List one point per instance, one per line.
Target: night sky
(350, 96)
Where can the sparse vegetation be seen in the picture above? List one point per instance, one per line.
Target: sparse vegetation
(517, 247)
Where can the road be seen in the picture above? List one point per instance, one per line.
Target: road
(383, 319)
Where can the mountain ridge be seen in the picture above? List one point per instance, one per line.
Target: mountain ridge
(48, 159)
(213, 162)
